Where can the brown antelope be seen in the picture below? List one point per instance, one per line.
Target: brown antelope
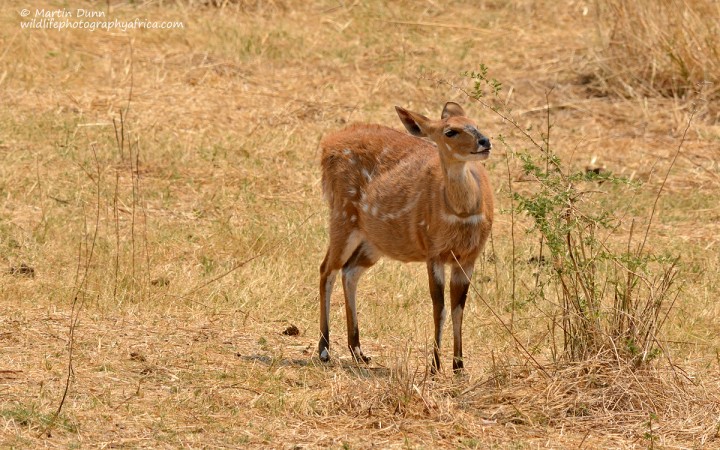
(401, 196)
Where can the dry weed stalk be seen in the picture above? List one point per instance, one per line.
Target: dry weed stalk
(79, 291)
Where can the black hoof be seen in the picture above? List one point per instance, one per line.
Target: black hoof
(458, 366)
(359, 357)
(435, 365)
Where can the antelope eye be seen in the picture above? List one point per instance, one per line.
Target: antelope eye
(451, 133)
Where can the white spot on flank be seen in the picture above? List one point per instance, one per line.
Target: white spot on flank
(422, 222)
(409, 207)
(353, 218)
(374, 210)
(351, 192)
(366, 174)
(364, 207)
(347, 152)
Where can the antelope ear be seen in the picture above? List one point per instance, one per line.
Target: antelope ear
(416, 124)
(452, 109)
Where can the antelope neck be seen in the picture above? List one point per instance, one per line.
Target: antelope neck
(461, 192)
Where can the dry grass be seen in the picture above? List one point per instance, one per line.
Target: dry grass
(668, 48)
(185, 236)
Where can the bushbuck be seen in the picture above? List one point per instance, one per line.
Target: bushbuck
(410, 199)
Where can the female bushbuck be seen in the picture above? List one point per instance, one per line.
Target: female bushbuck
(401, 196)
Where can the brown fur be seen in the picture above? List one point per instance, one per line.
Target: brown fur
(401, 196)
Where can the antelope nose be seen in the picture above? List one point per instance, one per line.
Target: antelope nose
(484, 142)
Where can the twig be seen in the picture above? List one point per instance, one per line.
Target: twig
(132, 212)
(132, 79)
(512, 240)
(143, 210)
(77, 292)
(116, 213)
(672, 163)
(547, 172)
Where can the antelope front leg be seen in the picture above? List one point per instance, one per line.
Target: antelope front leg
(436, 276)
(459, 284)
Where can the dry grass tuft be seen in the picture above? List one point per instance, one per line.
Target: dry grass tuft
(601, 396)
(665, 47)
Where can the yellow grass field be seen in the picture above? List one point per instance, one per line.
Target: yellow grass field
(162, 223)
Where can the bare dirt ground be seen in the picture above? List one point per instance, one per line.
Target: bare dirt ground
(162, 225)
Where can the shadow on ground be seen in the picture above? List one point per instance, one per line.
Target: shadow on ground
(361, 370)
